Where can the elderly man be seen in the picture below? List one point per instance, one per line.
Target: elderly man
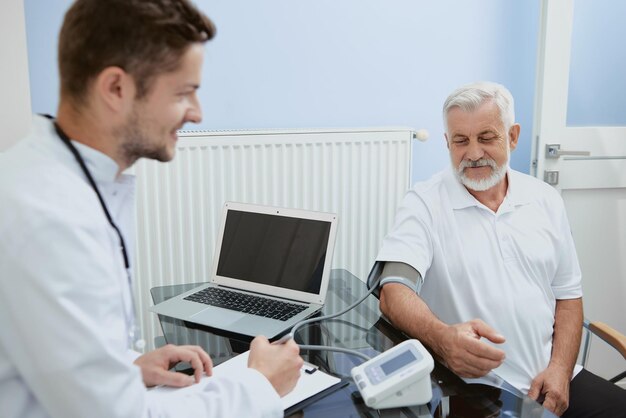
(481, 267)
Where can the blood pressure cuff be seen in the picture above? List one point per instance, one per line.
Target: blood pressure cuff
(394, 272)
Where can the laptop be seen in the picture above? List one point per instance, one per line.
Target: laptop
(271, 270)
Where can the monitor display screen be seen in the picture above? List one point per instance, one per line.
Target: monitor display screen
(397, 362)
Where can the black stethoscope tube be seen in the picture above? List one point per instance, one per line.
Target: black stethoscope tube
(92, 183)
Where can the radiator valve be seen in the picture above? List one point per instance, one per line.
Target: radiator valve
(421, 134)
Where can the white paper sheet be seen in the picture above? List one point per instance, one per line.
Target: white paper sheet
(307, 386)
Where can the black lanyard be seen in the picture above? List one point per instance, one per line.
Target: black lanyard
(92, 183)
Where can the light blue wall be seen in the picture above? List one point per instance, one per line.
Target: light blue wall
(597, 84)
(348, 63)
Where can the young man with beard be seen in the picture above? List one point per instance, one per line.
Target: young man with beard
(481, 267)
(129, 72)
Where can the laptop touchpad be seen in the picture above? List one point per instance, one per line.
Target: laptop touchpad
(217, 317)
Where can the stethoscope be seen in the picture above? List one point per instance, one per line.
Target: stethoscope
(133, 334)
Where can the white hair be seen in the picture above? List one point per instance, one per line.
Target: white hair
(470, 96)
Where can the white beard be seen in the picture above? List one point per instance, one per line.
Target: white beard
(496, 176)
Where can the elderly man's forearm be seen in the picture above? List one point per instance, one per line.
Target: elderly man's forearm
(409, 313)
(568, 323)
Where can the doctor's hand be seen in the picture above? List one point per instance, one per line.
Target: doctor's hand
(552, 385)
(463, 351)
(280, 363)
(155, 366)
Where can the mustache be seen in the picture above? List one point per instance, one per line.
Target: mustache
(478, 163)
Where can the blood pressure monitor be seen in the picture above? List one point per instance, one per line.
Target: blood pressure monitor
(397, 377)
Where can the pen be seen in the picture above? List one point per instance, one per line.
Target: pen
(284, 339)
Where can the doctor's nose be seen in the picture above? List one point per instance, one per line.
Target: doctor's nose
(194, 114)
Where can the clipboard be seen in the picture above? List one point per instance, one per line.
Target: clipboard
(312, 385)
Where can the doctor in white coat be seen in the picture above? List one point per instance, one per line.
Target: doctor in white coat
(129, 74)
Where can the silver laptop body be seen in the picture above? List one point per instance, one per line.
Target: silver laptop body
(273, 253)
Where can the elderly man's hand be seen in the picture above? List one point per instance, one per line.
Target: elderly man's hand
(464, 353)
(553, 384)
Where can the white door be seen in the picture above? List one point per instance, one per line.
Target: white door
(15, 98)
(589, 169)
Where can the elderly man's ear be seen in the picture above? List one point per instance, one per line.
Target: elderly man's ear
(514, 135)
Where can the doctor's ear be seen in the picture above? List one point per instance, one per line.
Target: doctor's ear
(114, 88)
(445, 136)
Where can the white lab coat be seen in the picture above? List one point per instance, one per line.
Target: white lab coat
(65, 300)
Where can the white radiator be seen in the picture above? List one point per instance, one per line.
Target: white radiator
(361, 175)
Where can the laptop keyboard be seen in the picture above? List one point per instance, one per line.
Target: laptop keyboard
(243, 302)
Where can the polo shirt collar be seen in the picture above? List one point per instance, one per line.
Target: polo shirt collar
(460, 198)
(517, 192)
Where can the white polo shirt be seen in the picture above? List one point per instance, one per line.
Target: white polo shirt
(507, 268)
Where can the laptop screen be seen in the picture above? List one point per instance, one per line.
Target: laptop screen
(274, 250)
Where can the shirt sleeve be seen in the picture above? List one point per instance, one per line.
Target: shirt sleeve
(63, 331)
(410, 238)
(247, 395)
(567, 280)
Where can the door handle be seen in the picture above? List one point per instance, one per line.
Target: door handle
(555, 151)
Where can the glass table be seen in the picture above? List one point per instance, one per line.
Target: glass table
(362, 329)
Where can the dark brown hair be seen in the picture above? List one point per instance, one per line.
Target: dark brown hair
(143, 37)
